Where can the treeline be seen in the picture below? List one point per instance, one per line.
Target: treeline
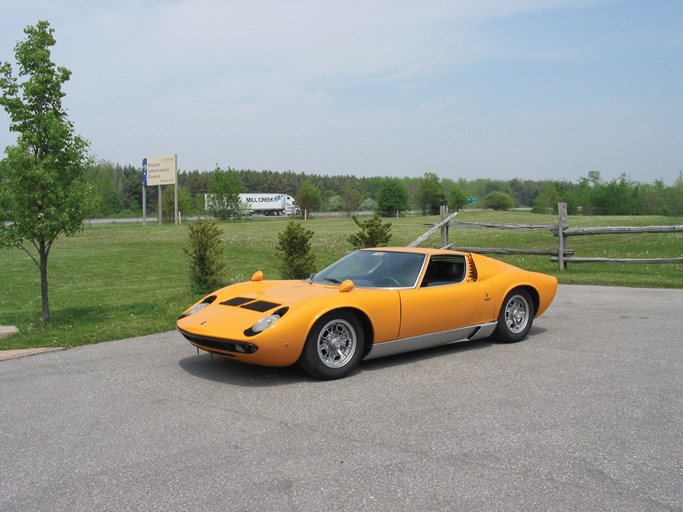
(118, 192)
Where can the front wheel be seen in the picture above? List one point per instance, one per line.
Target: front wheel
(333, 347)
(515, 318)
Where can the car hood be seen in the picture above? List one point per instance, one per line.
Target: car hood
(238, 307)
(277, 292)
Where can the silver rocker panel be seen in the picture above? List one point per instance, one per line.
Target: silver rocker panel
(389, 348)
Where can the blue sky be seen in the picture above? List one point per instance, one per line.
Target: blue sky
(501, 89)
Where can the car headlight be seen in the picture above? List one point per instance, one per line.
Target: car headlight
(265, 322)
(198, 307)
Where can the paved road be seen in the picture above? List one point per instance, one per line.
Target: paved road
(586, 414)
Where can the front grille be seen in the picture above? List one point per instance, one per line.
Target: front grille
(209, 343)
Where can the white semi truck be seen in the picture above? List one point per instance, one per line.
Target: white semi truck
(270, 204)
(266, 204)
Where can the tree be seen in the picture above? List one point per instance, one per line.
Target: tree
(368, 205)
(618, 197)
(430, 194)
(547, 199)
(130, 189)
(352, 199)
(294, 248)
(458, 199)
(104, 178)
(224, 190)
(308, 198)
(677, 196)
(168, 203)
(335, 203)
(42, 192)
(373, 233)
(392, 198)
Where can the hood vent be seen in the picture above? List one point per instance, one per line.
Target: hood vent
(253, 304)
(260, 305)
(236, 301)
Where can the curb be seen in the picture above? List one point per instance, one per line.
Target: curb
(6, 355)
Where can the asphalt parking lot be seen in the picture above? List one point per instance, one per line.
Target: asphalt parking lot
(586, 414)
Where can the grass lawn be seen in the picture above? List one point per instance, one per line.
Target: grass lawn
(114, 281)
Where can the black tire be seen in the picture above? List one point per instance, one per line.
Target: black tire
(515, 317)
(333, 347)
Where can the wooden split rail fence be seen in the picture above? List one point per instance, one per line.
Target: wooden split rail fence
(563, 255)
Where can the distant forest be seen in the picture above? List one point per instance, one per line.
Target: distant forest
(118, 192)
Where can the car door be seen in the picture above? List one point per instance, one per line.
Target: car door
(446, 299)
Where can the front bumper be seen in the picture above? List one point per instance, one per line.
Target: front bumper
(218, 345)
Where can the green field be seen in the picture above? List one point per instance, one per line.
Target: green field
(115, 281)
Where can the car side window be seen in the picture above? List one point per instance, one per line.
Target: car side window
(443, 270)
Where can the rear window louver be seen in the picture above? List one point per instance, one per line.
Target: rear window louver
(472, 273)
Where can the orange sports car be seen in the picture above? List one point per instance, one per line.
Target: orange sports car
(370, 303)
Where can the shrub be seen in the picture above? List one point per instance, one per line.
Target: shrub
(294, 248)
(373, 233)
(499, 201)
(205, 250)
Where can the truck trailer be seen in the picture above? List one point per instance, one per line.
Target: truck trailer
(269, 204)
(265, 204)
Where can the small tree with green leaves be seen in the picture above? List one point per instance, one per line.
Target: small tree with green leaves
(547, 199)
(458, 200)
(168, 202)
(42, 190)
(393, 198)
(308, 198)
(430, 194)
(294, 249)
(352, 199)
(205, 251)
(373, 233)
(224, 190)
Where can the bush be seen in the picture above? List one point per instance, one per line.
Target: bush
(499, 201)
(205, 250)
(373, 233)
(294, 248)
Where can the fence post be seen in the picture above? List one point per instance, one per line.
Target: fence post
(444, 229)
(562, 224)
(429, 233)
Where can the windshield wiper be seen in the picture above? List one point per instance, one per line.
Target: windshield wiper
(332, 280)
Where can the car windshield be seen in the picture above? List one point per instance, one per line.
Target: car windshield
(374, 269)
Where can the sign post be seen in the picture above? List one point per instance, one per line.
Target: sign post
(159, 170)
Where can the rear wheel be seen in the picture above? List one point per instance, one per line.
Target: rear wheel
(333, 347)
(515, 318)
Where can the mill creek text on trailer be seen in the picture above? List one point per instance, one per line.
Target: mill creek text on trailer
(266, 204)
